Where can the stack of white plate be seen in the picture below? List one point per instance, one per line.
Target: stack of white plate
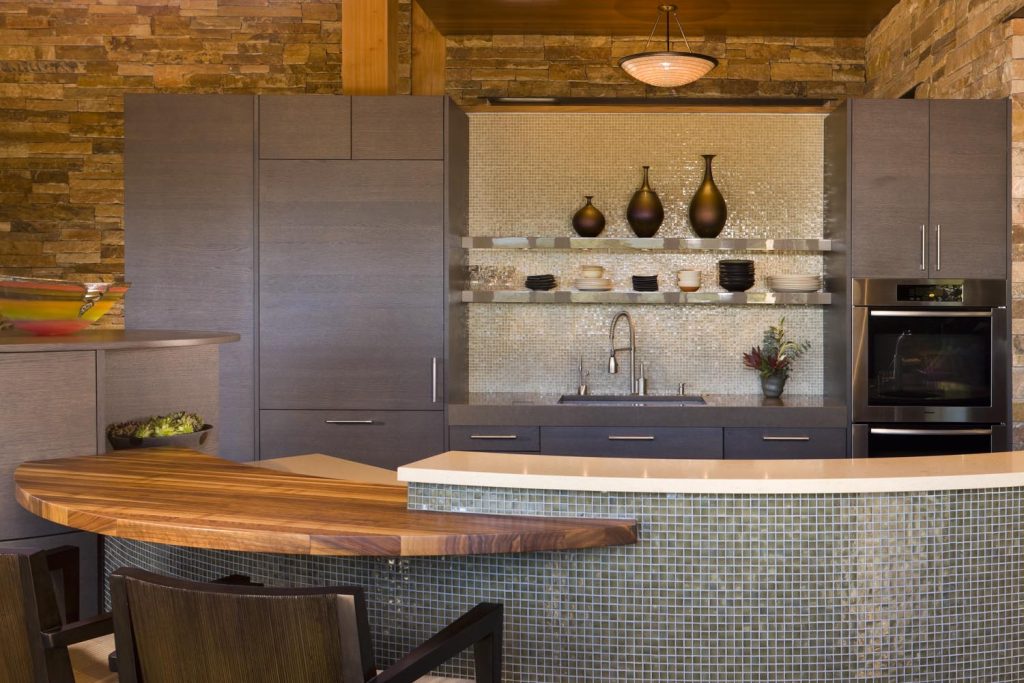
(593, 284)
(794, 283)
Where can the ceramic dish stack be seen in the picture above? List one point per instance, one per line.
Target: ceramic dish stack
(794, 283)
(540, 283)
(736, 275)
(593, 284)
(645, 283)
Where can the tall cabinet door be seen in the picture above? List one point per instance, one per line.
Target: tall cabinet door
(889, 184)
(189, 246)
(969, 188)
(351, 285)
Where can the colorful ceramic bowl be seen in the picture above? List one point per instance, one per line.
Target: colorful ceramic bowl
(54, 307)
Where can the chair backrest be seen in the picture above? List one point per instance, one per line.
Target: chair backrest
(28, 606)
(169, 630)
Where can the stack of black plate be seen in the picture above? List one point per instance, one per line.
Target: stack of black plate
(540, 283)
(736, 275)
(645, 283)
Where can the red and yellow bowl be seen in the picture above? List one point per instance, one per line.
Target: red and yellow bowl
(55, 307)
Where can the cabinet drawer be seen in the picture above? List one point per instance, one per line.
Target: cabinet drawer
(407, 127)
(307, 127)
(381, 438)
(633, 442)
(495, 439)
(783, 444)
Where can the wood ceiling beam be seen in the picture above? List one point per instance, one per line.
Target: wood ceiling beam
(369, 47)
(428, 54)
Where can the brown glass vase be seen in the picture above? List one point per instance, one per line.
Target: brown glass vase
(645, 213)
(707, 208)
(588, 221)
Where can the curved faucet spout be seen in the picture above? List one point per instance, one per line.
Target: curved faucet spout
(613, 364)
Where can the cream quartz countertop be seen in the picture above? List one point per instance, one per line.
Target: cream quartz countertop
(637, 475)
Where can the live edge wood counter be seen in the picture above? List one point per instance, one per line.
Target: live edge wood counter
(186, 498)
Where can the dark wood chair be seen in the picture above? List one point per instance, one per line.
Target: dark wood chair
(169, 630)
(39, 621)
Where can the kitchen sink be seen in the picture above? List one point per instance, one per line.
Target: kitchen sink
(632, 401)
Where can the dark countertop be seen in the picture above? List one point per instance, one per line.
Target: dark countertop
(13, 341)
(722, 410)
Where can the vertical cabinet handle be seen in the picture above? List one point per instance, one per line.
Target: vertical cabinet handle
(938, 247)
(433, 379)
(924, 261)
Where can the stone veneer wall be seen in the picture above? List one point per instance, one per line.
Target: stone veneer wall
(587, 66)
(963, 49)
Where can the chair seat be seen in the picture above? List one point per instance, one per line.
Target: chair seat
(89, 660)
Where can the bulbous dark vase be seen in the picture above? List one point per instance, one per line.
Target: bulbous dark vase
(645, 213)
(707, 208)
(588, 221)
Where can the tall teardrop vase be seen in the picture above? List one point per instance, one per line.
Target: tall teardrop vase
(708, 212)
(645, 212)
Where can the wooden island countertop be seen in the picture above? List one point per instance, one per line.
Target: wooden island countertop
(186, 498)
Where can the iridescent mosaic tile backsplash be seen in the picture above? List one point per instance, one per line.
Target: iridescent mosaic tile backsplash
(528, 175)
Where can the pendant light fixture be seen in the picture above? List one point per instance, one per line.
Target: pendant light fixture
(667, 69)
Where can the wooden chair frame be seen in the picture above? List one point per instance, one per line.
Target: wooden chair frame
(49, 632)
(480, 628)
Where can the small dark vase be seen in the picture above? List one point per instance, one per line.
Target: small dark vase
(707, 209)
(772, 385)
(588, 221)
(645, 213)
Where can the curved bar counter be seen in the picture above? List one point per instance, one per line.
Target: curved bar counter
(810, 571)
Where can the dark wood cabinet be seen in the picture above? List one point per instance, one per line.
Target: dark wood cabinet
(408, 127)
(889, 187)
(929, 188)
(494, 439)
(633, 442)
(969, 188)
(784, 444)
(189, 250)
(307, 127)
(383, 438)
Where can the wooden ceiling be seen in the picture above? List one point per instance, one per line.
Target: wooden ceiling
(833, 18)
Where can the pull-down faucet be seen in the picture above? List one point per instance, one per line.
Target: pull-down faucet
(613, 363)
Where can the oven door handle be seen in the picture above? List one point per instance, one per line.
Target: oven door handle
(890, 431)
(930, 314)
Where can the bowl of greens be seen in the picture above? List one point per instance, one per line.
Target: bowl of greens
(181, 429)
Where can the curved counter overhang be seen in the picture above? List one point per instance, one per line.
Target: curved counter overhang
(186, 498)
(749, 477)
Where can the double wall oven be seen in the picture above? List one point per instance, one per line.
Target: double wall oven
(930, 367)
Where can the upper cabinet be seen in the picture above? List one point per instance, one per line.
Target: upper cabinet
(306, 127)
(407, 127)
(929, 188)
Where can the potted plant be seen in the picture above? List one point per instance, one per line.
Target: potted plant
(182, 429)
(774, 358)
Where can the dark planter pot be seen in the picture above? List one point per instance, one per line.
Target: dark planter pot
(645, 212)
(193, 440)
(772, 385)
(588, 221)
(708, 212)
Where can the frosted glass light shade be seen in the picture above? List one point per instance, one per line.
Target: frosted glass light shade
(667, 69)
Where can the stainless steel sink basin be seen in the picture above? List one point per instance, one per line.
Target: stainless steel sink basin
(632, 401)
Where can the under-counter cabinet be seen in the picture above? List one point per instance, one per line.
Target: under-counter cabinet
(633, 442)
(494, 439)
(928, 187)
(756, 443)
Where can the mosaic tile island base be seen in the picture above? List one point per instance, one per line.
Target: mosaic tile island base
(923, 587)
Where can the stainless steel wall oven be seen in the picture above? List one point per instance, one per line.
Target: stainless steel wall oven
(930, 366)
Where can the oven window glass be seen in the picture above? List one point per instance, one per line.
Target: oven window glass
(935, 360)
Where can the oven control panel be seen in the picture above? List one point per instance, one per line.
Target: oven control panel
(931, 292)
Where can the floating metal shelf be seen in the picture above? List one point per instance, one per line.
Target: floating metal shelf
(619, 297)
(647, 244)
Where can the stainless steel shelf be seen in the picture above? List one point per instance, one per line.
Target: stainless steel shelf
(646, 244)
(619, 297)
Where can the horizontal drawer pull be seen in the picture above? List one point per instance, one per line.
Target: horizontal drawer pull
(631, 438)
(785, 438)
(494, 437)
(349, 422)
